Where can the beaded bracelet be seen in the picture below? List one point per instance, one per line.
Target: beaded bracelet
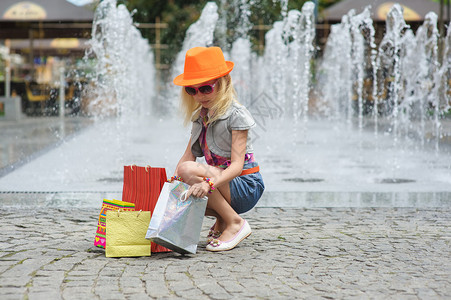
(208, 180)
(178, 178)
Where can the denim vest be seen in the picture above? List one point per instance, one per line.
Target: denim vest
(219, 133)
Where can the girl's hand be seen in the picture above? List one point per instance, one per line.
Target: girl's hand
(199, 190)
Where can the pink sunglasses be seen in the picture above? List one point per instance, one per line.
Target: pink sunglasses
(204, 89)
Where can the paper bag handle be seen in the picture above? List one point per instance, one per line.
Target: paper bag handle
(183, 196)
(119, 210)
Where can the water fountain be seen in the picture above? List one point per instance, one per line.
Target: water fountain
(120, 93)
(377, 158)
(404, 77)
(199, 34)
(123, 73)
(360, 144)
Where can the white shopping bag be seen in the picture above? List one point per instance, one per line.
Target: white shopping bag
(176, 222)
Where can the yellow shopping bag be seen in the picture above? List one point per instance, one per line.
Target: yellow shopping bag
(100, 239)
(126, 234)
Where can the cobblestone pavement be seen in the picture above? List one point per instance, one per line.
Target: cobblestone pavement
(361, 253)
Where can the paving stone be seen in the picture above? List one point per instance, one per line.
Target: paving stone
(44, 295)
(157, 289)
(305, 253)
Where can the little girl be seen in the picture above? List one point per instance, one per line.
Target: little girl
(220, 132)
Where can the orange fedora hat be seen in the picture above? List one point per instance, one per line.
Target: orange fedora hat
(203, 64)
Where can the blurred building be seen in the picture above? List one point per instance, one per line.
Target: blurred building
(414, 13)
(39, 39)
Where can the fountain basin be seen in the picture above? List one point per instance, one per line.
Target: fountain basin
(323, 167)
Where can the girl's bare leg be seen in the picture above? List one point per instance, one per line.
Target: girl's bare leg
(232, 220)
(218, 203)
(219, 224)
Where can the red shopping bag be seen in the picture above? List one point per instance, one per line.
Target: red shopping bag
(142, 186)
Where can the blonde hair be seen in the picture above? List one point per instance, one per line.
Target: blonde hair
(225, 95)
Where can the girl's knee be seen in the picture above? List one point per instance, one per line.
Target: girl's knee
(192, 172)
(186, 170)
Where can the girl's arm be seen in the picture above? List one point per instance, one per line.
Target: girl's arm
(239, 140)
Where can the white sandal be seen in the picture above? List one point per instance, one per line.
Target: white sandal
(218, 245)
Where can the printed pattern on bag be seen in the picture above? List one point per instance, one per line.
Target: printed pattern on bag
(177, 193)
(100, 238)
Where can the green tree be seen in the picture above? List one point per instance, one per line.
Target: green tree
(179, 15)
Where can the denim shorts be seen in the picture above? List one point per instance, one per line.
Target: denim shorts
(246, 190)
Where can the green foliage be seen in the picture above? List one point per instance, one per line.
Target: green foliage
(179, 15)
(326, 3)
(262, 12)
